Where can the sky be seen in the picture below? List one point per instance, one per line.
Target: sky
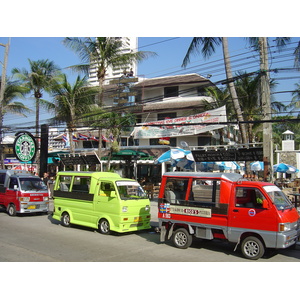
(170, 52)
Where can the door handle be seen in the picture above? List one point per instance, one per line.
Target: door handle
(235, 210)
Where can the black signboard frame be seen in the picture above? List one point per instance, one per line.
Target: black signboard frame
(79, 160)
(242, 154)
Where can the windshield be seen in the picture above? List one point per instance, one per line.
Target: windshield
(32, 184)
(278, 197)
(130, 190)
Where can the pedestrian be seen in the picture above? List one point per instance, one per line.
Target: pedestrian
(46, 178)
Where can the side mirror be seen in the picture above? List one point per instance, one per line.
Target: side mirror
(15, 187)
(265, 203)
(113, 194)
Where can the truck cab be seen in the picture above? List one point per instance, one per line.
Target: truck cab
(21, 192)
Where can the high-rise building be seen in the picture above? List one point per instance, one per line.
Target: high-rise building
(129, 44)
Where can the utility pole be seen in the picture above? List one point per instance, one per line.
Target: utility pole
(2, 89)
(266, 107)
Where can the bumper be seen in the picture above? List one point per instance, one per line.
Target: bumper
(287, 239)
(32, 207)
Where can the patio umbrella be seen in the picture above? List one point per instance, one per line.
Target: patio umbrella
(172, 154)
(257, 166)
(284, 168)
(207, 166)
(228, 165)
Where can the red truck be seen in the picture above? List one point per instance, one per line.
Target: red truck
(22, 192)
(253, 215)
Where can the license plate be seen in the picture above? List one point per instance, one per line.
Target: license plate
(31, 207)
(138, 219)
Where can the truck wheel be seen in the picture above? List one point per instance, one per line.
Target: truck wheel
(65, 219)
(11, 210)
(252, 248)
(182, 239)
(103, 226)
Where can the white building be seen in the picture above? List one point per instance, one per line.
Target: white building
(129, 44)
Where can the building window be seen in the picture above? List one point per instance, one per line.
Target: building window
(171, 91)
(204, 141)
(166, 116)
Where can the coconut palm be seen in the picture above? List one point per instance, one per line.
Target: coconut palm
(248, 89)
(102, 52)
(12, 92)
(71, 101)
(38, 79)
(295, 103)
(208, 46)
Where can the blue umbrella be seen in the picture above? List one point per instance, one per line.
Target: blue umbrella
(172, 154)
(284, 168)
(257, 166)
(228, 165)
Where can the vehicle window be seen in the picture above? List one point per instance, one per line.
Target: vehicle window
(176, 189)
(64, 183)
(278, 197)
(81, 184)
(248, 197)
(2, 178)
(32, 184)
(206, 191)
(13, 181)
(130, 190)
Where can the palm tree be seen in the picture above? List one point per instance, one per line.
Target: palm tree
(71, 102)
(38, 79)
(103, 52)
(207, 45)
(296, 97)
(221, 97)
(14, 91)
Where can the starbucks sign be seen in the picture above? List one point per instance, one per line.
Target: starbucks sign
(25, 146)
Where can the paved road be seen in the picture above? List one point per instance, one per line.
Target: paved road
(39, 238)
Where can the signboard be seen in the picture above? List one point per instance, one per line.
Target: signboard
(190, 125)
(243, 154)
(25, 146)
(80, 160)
(166, 209)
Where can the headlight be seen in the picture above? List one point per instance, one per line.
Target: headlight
(24, 199)
(46, 198)
(147, 208)
(124, 208)
(284, 226)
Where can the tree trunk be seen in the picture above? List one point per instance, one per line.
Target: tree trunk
(232, 90)
(266, 106)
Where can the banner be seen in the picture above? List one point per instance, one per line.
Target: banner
(172, 127)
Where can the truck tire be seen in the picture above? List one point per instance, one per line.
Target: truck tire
(252, 248)
(104, 227)
(11, 210)
(65, 219)
(182, 239)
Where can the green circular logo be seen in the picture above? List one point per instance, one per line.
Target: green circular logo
(25, 147)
